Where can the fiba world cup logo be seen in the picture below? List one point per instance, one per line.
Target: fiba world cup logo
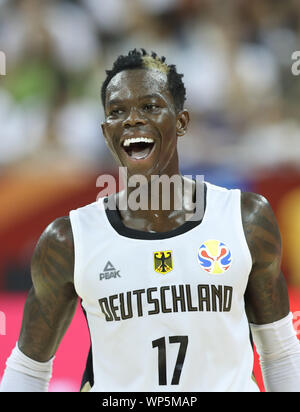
(214, 257)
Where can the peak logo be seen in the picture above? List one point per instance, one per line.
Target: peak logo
(109, 272)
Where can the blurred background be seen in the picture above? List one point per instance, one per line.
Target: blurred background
(241, 93)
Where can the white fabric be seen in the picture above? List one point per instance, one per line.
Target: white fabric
(279, 351)
(133, 311)
(23, 374)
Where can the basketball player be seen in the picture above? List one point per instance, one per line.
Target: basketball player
(169, 301)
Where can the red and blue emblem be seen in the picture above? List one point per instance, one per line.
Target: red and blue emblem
(214, 257)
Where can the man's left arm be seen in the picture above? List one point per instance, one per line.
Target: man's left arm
(266, 298)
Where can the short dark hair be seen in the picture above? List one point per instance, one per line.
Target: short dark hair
(136, 59)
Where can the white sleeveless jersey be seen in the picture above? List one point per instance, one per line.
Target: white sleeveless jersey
(166, 311)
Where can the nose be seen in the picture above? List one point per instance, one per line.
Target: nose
(134, 119)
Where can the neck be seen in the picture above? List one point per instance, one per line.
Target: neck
(160, 205)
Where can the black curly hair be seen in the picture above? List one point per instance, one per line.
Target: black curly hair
(141, 59)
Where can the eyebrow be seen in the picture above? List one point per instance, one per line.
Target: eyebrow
(151, 96)
(147, 96)
(113, 101)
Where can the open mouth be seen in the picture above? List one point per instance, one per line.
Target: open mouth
(138, 148)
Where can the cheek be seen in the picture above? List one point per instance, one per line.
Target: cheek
(169, 134)
(167, 123)
(110, 131)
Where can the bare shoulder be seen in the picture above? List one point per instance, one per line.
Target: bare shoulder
(266, 296)
(253, 203)
(55, 251)
(59, 231)
(260, 226)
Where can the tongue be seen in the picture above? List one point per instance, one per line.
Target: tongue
(140, 154)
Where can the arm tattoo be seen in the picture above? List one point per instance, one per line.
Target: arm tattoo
(266, 296)
(52, 301)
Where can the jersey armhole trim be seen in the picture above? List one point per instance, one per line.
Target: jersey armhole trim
(77, 251)
(245, 246)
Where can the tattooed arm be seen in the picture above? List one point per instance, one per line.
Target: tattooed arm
(267, 301)
(48, 311)
(266, 296)
(52, 301)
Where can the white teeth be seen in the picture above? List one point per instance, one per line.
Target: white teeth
(132, 140)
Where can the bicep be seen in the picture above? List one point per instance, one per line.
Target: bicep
(266, 296)
(52, 301)
(266, 299)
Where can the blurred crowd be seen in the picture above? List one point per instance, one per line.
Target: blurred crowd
(235, 57)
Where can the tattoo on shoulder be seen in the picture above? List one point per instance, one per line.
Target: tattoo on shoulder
(266, 295)
(260, 228)
(53, 262)
(52, 301)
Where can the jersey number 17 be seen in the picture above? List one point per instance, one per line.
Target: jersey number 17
(162, 358)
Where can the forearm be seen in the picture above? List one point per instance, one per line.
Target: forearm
(279, 352)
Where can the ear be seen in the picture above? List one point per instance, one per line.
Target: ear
(182, 122)
(103, 127)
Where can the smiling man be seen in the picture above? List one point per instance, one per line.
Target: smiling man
(143, 119)
(169, 301)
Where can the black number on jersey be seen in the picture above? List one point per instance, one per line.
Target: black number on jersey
(162, 358)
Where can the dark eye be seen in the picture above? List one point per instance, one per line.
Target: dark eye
(115, 112)
(151, 107)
